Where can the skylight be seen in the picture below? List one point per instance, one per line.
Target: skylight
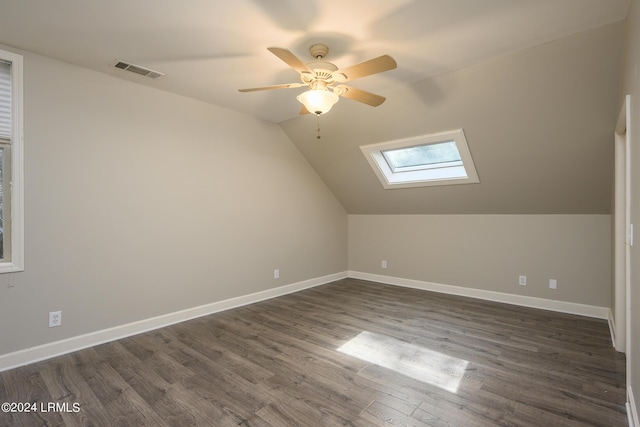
(423, 156)
(436, 159)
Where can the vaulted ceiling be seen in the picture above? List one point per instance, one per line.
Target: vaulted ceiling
(534, 84)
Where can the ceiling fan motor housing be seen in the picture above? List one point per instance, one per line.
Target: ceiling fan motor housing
(318, 51)
(321, 71)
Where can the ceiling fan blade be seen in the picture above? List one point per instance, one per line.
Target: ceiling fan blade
(284, 86)
(290, 59)
(366, 68)
(359, 95)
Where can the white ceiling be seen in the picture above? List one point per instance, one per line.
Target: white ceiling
(533, 83)
(210, 49)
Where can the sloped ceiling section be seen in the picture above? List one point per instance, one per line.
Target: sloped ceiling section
(210, 49)
(539, 124)
(538, 114)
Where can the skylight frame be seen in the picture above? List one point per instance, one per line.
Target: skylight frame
(462, 172)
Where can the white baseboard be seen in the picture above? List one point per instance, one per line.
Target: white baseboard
(47, 351)
(632, 409)
(612, 329)
(525, 301)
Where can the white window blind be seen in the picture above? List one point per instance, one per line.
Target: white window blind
(5, 101)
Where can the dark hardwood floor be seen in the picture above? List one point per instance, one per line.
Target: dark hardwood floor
(348, 353)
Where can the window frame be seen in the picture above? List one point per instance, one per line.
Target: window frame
(459, 172)
(15, 187)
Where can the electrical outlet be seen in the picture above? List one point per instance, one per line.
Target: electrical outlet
(522, 280)
(384, 263)
(55, 319)
(276, 273)
(553, 284)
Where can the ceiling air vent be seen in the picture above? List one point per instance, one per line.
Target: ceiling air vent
(138, 70)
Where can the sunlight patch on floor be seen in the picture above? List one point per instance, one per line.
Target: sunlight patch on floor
(411, 360)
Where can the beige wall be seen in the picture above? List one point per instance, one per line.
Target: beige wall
(632, 86)
(489, 252)
(140, 203)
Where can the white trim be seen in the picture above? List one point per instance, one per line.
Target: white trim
(623, 235)
(612, 329)
(521, 300)
(628, 199)
(17, 164)
(58, 348)
(632, 409)
(620, 227)
(465, 173)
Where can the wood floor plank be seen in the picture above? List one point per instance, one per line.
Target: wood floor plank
(382, 415)
(150, 386)
(201, 340)
(124, 406)
(349, 353)
(6, 419)
(453, 410)
(67, 386)
(26, 386)
(557, 402)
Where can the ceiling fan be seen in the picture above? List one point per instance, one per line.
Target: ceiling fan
(324, 79)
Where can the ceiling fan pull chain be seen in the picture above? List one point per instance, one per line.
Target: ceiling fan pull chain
(318, 120)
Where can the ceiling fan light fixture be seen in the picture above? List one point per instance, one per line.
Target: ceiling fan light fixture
(318, 101)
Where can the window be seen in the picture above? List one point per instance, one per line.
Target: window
(11, 169)
(437, 159)
(427, 156)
